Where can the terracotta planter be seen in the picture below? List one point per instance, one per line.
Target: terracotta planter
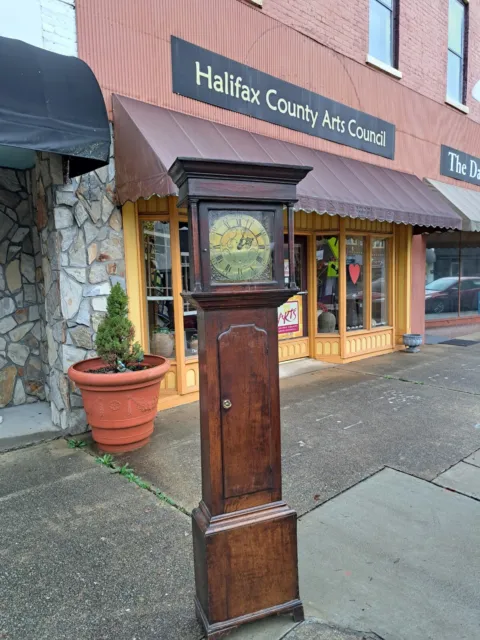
(120, 407)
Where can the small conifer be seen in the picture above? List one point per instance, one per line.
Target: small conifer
(114, 342)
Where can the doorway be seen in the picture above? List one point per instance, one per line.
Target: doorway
(293, 315)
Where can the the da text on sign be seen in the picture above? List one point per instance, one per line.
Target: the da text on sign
(459, 165)
(208, 77)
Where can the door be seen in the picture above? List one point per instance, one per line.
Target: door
(293, 316)
(246, 411)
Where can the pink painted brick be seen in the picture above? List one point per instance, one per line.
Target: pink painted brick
(422, 45)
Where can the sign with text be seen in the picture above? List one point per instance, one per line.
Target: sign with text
(208, 77)
(459, 165)
(288, 317)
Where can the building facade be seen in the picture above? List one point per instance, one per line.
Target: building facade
(61, 243)
(378, 96)
(362, 279)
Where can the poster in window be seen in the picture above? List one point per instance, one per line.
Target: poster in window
(288, 317)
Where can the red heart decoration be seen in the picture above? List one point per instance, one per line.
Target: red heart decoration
(354, 272)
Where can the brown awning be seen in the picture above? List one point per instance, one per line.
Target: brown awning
(148, 139)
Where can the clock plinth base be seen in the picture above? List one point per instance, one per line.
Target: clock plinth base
(245, 566)
(222, 629)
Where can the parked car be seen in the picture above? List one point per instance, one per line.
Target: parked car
(441, 296)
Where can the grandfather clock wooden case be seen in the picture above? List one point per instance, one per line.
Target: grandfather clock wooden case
(244, 534)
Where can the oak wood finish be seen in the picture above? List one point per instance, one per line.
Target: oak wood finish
(244, 534)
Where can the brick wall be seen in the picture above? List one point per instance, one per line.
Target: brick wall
(43, 23)
(423, 38)
(342, 26)
(58, 26)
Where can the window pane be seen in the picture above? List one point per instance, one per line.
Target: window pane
(379, 283)
(454, 77)
(327, 285)
(189, 311)
(442, 272)
(380, 45)
(456, 13)
(470, 275)
(158, 279)
(355, 262)
(298, 257)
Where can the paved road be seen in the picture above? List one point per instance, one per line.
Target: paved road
(379, 460)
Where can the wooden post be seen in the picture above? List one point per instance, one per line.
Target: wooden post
(291, 246)
(194, 248)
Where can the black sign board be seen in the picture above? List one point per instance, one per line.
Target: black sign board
(208, 77)
(459, 165)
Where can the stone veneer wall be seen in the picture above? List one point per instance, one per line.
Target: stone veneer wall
(82, 256)
(22, 309)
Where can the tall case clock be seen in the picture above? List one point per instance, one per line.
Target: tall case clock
(244, 534)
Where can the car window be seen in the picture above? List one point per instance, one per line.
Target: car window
(441, 284)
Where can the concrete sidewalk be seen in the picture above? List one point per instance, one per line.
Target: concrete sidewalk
(379, 460)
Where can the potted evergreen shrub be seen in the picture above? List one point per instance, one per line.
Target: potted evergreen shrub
(119, 388)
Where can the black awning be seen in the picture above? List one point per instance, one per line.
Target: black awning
(50, 102)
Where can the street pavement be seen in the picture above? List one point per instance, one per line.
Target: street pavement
(380, 459)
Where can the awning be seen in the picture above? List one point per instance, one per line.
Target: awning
(466, 202)
(50, 102)
(148, 139)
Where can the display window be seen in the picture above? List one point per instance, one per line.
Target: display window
(351, 302)
(328, 290)
(379, 267)
(355, 270)
(452, 275)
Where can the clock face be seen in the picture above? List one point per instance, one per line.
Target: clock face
(241, 246)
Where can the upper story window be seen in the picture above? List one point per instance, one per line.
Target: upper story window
(457, 22)
(383, 40)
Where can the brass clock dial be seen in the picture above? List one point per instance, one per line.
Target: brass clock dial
(240, 247)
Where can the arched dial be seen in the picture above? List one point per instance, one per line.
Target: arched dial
(240, 249)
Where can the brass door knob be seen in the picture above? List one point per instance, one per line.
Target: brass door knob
(226, 404)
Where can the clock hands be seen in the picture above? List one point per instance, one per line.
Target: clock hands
(242, 239)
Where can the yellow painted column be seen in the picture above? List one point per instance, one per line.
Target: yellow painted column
(403, 256)
(177, 298)
(367, 282)
(342, 288)
(392, 289)
(312, 293)
(133, 271)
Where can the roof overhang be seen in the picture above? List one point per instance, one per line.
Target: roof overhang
(50, 102)
(466, 202)
(148, 139)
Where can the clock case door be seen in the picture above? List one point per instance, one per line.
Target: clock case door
(205, 208)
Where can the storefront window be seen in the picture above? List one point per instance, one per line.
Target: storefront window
(379, 283)
(441, 275)
(355, 262)
(189, 311)
(158, 279)
(452, 275)
(327, 284)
